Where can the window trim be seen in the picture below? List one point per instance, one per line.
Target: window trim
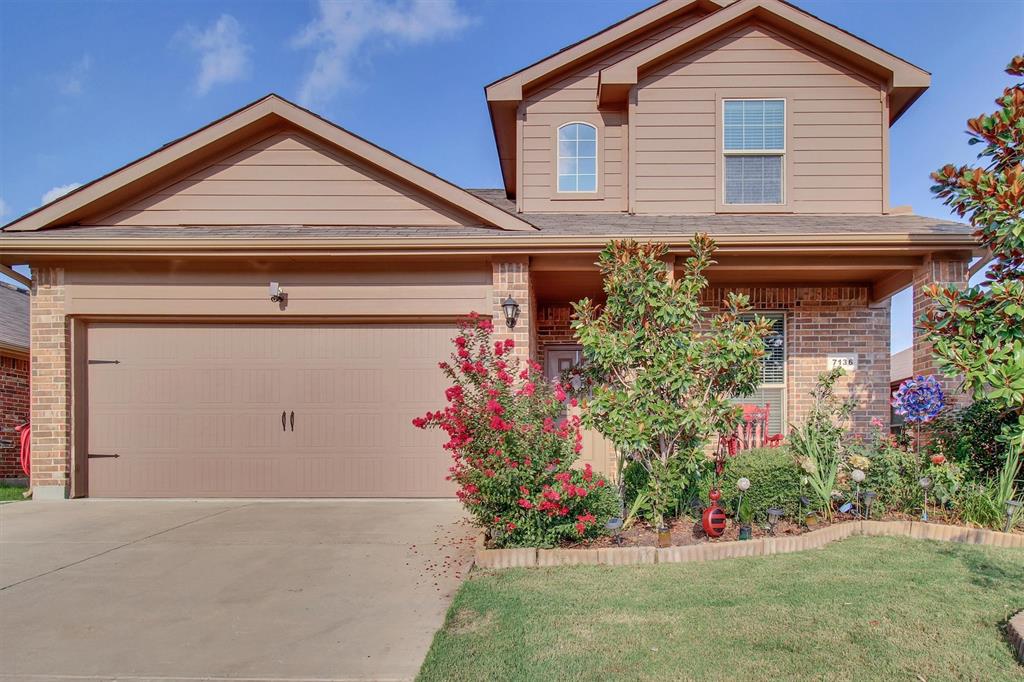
(784, 385)
(721, 153)
(577, 195)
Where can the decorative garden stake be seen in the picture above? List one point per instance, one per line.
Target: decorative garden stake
(713, 520)
(1011, 508)
(919, 400)
(925, 484)
(858, 476)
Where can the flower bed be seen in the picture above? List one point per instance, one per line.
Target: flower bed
(714, 550)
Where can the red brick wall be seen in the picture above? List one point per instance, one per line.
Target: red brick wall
(820, 321)
(14, 399)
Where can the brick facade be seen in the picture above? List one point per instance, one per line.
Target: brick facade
(820, 321)
(950, 273)
(14, 406)
(511, 277)
(51, 385)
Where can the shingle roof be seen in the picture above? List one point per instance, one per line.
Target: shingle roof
(751, 223)
(598, 225)
(13, 316)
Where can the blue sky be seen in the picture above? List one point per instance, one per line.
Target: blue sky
(88, 86)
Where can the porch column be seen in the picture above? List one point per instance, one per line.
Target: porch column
(947, 272)
(50, 386)
(511, 277)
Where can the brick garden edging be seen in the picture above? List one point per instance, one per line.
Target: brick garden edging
(713, 551)
(1015, 631)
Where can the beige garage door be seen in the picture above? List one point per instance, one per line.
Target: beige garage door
(265, 410)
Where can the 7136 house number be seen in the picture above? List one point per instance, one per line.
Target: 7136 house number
(847, 362)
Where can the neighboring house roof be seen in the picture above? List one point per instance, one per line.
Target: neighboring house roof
(901, 365)
(905, 81)
(14, 319)
(173, 159)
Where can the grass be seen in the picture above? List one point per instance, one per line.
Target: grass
(10, 493)
(860, 609)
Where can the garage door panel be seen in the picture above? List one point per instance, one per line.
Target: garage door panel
(195, 410)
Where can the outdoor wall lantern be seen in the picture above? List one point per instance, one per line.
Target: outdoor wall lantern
(511, 309)
(1011, 508)
(277, 294)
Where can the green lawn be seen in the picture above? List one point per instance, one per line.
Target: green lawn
(861, 609)
(10, 493)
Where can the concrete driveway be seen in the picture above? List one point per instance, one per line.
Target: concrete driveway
(240, 590)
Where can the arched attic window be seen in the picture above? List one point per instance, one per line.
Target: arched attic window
(577, 158)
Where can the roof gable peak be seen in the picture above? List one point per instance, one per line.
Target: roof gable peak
(252, 121)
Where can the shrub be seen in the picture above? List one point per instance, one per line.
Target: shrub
(774, 481)
(665, 370)
(968, 437)
(818, 441)
(512, 451)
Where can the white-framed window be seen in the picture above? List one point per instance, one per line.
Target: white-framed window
(772, 391)
(754, 147)
(577, 157)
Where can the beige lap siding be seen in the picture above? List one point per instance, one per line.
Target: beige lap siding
(834, 118)
(51, 384)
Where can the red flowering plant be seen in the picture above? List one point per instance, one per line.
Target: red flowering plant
(513, 449)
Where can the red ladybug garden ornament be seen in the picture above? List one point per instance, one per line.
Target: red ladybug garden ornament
(713, 520)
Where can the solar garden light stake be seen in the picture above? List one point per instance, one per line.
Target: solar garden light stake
(774, 516)
(925, 484)
(614, 525)
(743, 485)
(869, 498)
(1011, 508)
(858, 476)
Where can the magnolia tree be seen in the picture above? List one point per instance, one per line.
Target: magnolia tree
(664, 369)
(978, 332)
(512, 448)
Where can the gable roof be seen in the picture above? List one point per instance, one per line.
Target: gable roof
(14, 320)
(173, 159)
(906, 81)
(504, 94)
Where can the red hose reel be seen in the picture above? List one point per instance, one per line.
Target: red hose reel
(25, 434)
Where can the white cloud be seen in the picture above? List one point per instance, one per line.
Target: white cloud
(343, 28)
(223, 55)
(58, 192)
(70, 82)
(5, 208)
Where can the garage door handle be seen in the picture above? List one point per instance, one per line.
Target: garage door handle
(292, 419)
(284, 415)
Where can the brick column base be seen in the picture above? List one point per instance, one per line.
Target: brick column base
(511, 277)
(50, 387)
(947, 273)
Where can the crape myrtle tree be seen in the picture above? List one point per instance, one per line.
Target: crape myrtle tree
(664, 371)
(978, 332)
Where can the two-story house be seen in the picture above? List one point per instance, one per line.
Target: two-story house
(258, 308)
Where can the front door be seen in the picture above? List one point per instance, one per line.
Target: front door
(597, 451)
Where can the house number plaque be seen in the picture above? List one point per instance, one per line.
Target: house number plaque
(847, 362)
